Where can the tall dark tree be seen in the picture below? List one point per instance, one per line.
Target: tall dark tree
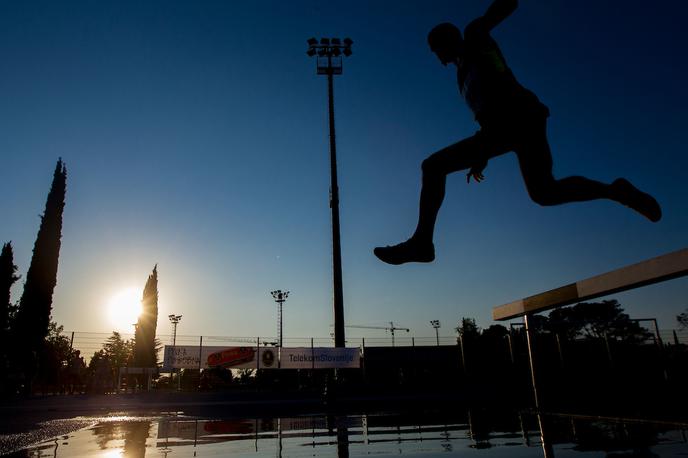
(495, 332)
(33, 315)
(8, 276)
(144, 341)
(118, 350)
(467, 328)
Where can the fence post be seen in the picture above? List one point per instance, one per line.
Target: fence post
(200, 361)
(659, 338)
(257, 355)
(660, 346)
(511, 348)
(609, 350)
(530, 337)
(312, 356)
(463, 355)
(363, 362)
(561, 353)
(257, 366)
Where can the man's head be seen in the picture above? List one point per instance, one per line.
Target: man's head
(446, 42)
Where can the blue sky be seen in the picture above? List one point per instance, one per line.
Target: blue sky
(195, 137)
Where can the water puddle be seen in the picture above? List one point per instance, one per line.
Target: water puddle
(478, 434)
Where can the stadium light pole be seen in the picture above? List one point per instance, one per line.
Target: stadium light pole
(280, 297)
(329, 52)
(174, 319)
(436, 324)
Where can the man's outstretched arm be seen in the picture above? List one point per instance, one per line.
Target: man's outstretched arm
(497, 12)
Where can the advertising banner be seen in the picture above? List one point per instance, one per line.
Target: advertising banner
(195, 357)
(320, 358)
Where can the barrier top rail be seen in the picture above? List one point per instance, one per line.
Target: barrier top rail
(662, 268)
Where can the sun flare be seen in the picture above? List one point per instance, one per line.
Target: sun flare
(124, 309)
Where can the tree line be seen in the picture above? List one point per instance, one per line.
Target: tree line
(34, 352)
(586, 320)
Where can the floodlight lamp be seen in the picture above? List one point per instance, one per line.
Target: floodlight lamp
(336, 52)
(348, 42)
(325, 41)
(312, 41)
(347, 52)
(322, 52)
(336, 42)
(311, 52)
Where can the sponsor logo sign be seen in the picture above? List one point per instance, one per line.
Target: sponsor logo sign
(193, 357)
(320, 358)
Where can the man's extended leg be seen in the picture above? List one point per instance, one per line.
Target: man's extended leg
(535, 160)
(459, 156)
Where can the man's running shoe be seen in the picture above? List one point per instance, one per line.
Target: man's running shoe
(632, 197)
(408, 251)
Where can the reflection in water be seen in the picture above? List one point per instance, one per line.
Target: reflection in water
(488, 434)
(547, 449)
(135, 435)
(129, 433)
(342, 442)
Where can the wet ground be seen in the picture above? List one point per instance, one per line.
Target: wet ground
(158, 424)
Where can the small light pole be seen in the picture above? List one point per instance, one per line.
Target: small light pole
(329, 53)
(175, 319)
(280, 297)
(436, 324)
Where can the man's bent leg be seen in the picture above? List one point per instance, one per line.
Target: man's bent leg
(535, 160)
(459, 156)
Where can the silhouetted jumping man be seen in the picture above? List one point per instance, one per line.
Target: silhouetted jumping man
(511, 118)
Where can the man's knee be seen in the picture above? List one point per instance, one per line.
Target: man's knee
(544, 195)
(431, 166)
(436, 165)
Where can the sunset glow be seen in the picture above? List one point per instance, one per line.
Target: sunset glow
(124, 309)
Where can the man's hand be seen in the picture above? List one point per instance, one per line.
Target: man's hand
(477, 176)
(498, 11)
(476, 172)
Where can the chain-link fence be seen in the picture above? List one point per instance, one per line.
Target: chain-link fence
(90, 342)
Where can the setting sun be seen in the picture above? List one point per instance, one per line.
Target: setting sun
(124, 308)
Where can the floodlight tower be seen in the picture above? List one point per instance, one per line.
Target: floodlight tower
(280, 297)
(436, 324)
(175, 319)
(329, 53)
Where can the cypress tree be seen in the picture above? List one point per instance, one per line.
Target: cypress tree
(8, 277)
(144, 345)
(35, 305)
